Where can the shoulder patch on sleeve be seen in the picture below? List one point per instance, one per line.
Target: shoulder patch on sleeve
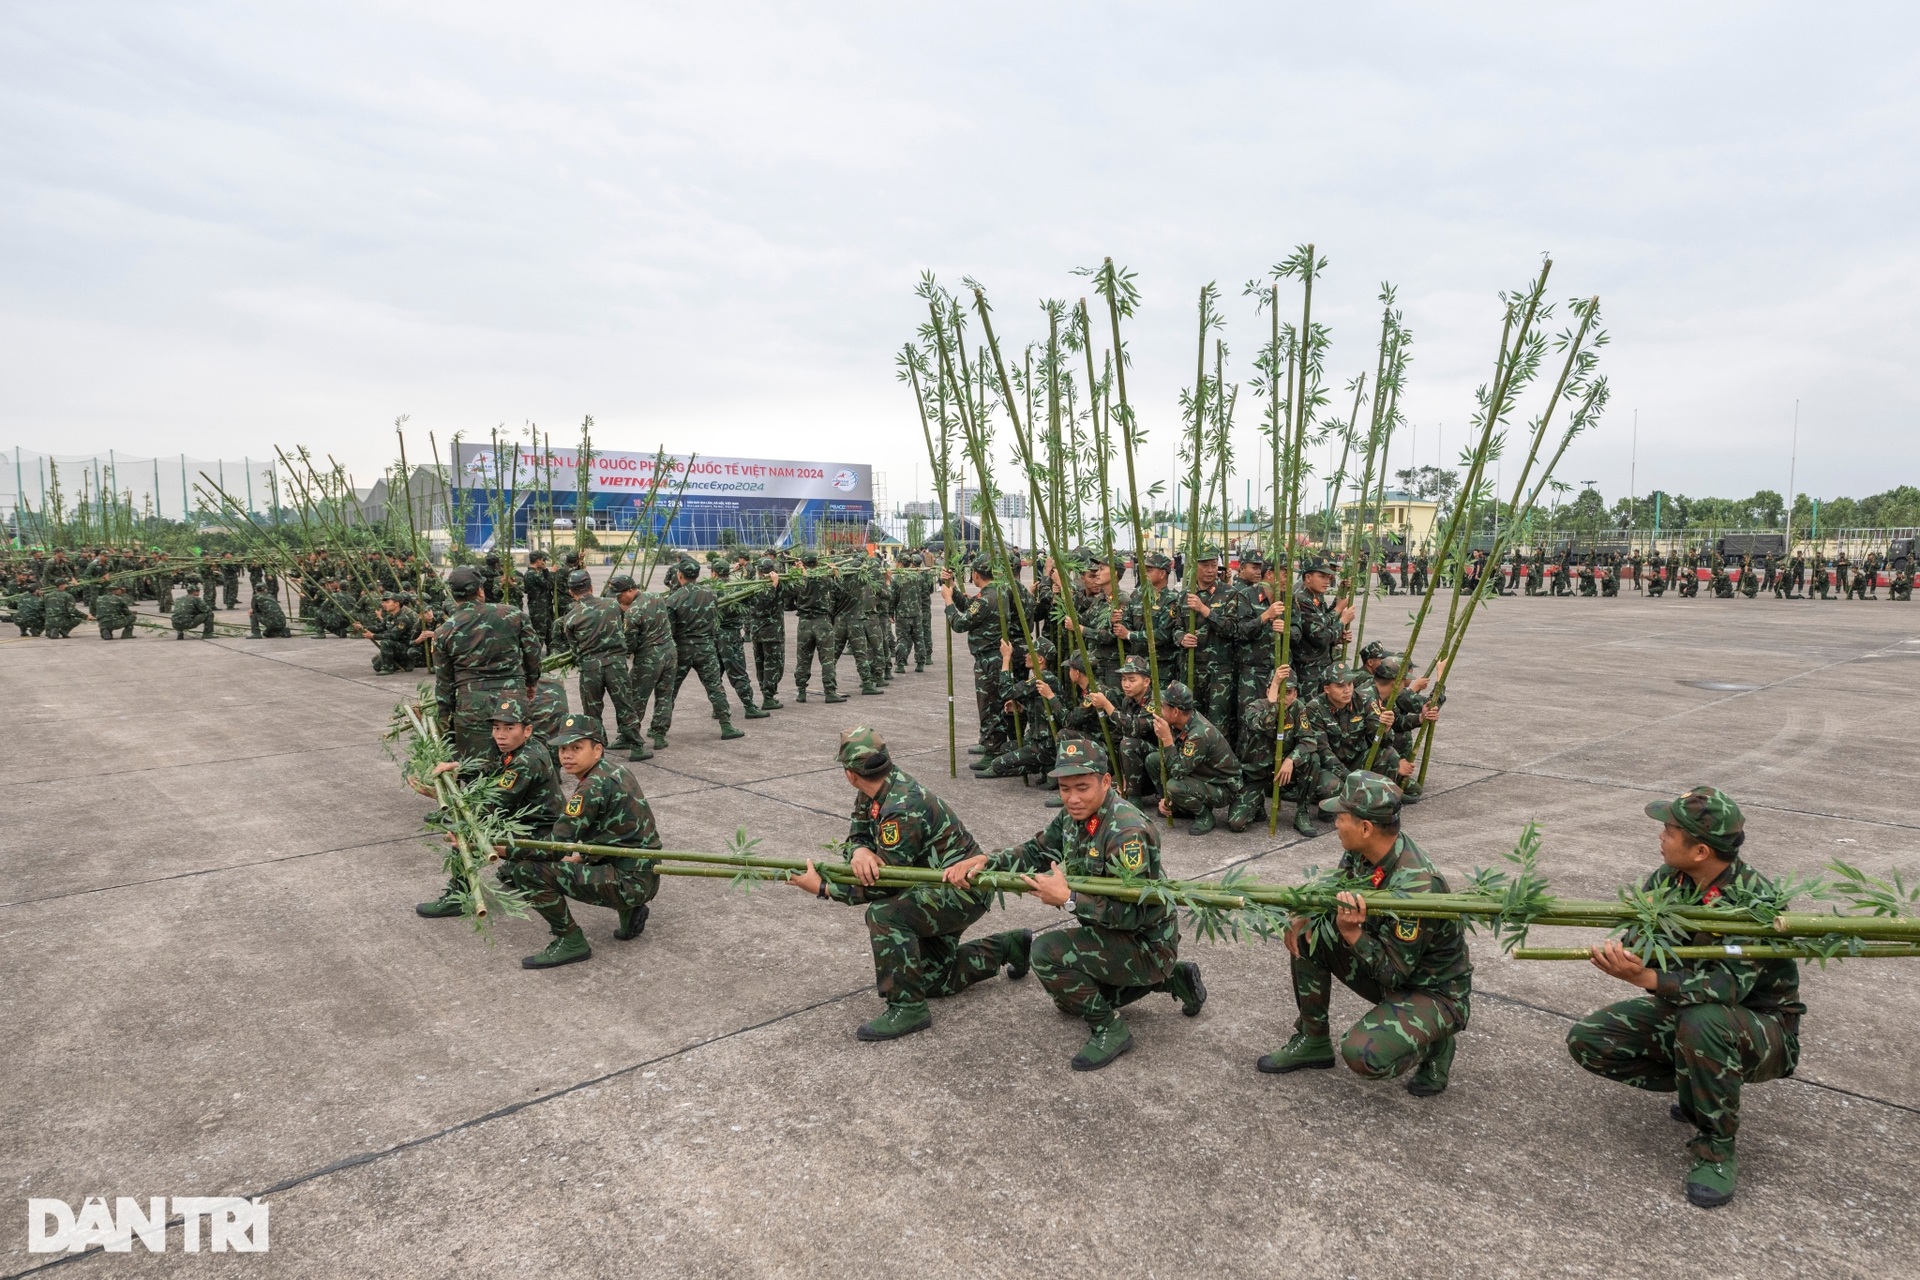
(575, 805)
(1188, 747)
(507, 780)
(1407, 930)
(1133, 854)
(890, 832)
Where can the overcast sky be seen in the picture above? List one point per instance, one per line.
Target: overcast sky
(227, 226)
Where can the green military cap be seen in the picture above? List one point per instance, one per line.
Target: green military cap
(119, 586)
(620, 582)
(1134, 667)
(1207, 553)
(809, 559)
(1707, 815)
(765, 565)
(1253, 555)
(689, 569)
(579, 580)
(1345, 675)
(1387, 670)
(864, 751)
(1373, 649)
(509, 708)
(193, 588)
(983, 565)
(721, 569)
(1043, 647)
(1367, 796)
(537, 557)
(1314, 564)
(388, 595)
(1078, 662)
(1177, 696)
(1076, 756)
(1156, 560)
(578, 727)
(463, 581)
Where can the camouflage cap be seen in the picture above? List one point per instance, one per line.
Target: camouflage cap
(1156, 560)
(1076, 756)
(765, 565)
(1177, 696)
(809, 559)
(509, 708)
(983, 565)
(1373, 649)
(193, 587)
(1134, 667)
(537, 557)
(1707, 815)
(464, 582)
(1078, 662)
(689, 569)
(1207, 553)
(1387, 670)
(620, 582)
(721, 569)
(864, 751)
(1314, 564)
(579, 580)
(1367, 796)
(1345, 675)
(579, 727)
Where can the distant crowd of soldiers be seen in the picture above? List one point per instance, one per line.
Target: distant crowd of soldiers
(1796, 577)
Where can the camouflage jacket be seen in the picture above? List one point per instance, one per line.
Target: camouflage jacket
(1200, 752)
(1096, 612)
(853, 595)
(539, 586)
(188, 611)
(608, 807)
(731, 617)
(695, 614)
(767, 613)
(649, 625)
(1764, 986)
(811, 593)
(905, 826)
(595, 627)
(1215, 630)
(483, 644)
(1257, 739)
(1316, 632)
(113, 611)
(264, 610)
(978, 618)
(1167, 606)
(526, 785)
(1405, 954)
(1346, 733)
(1239, 619)
(1116, 840)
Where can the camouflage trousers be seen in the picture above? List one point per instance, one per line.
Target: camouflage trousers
(394, 654)
(472, 726)
(1401, 1031)
(851, 633)
(1134, 778)
(541, 611)
(917, 952)
(1256, 788)
(996, 726)
(733, 661)
(618, 883)
(769, 664)
(1705, 1052)
(1034, 755)
(880, 646)
(1191, 795)
(106, 631)
(1252, 671)
(701, 660)
(604, 676)
(647, 678)
(1091, 971)
(815, 635)
(913, 641)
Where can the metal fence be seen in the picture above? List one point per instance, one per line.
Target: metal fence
(32, 485)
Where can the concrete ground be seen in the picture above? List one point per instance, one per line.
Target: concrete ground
(215, 984)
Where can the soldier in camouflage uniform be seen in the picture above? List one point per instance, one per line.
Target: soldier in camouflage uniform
(1132, 631)
(265, 616)
(189, 611)
(649, 640)
(1128, 715)
(595, 630)
(1319, 627)
(1032, 691)
(482, 650)
(1209, 638)
(767, 629)
(1099, 608)
(910, 615)
(538, 583)
(114, 612)
(30, 610)
(979, 619)
(62, 615)
(1116, 951)
(1706, 1027)
(915, 933)
(880, 619)
(525, 790)
(695, 617)
(1412, 708)
(852, 610)
(393, 630)
(1348, 724)
(607, 807)
(1416, 972)
(730, 621)
(1298, 752)
(1201, 771)
(813, 595)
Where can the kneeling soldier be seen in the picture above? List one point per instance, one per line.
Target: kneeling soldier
(1416, 972)
(525, 791)
(606, 807)
(1119, 950)
(917, 952)
(1200, 768)
(1707, 1026)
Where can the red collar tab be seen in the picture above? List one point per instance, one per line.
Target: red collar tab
(1379, 876)
(507, 759)
(873, 810)
(1713, 891)
(1093, 825)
